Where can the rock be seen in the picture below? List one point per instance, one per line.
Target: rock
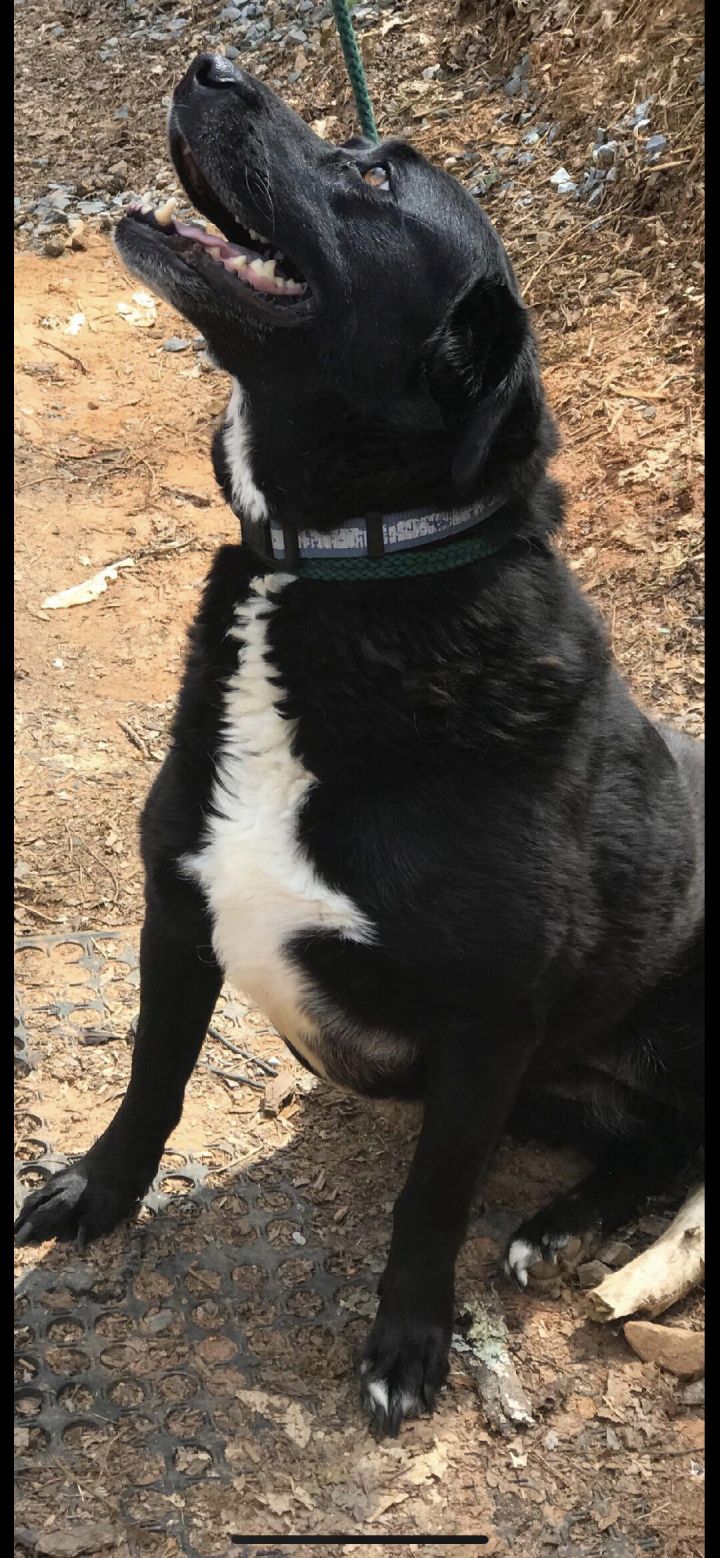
(679, 1351)
(604, 156)
(92, 1537)
(91, 207)
(159, 1322)
(77, 234)
(693, 1395)
(563, 183)
(617, 1253)
(54, 247)
(175, 343)
(654, 147)
(591, 1273)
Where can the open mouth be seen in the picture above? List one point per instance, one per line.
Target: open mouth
(263, 275)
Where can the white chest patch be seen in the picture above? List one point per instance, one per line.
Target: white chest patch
(260, 887)
(245, 495)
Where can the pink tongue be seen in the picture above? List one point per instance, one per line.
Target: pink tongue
(213, 241)
(227, 251)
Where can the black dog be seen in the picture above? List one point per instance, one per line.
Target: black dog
(409, 806)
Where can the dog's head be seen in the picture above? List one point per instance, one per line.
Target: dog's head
(377, 314)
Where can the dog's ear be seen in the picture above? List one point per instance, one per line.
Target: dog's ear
(485, 372)
(358, 143)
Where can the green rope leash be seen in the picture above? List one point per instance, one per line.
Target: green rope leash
(400, 565)
(355, 68)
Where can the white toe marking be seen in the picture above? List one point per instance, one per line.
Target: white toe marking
(378, 1393)
(520, 1257)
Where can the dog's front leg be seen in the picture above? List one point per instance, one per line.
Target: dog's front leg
(179, 984)
(472, 1084)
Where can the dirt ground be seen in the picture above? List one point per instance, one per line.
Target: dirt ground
(112, 438)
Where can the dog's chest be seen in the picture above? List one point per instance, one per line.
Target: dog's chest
(261, 888)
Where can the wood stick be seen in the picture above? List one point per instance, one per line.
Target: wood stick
(665, 1272)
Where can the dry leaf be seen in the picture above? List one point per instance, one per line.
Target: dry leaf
(82, 594)
(278, 1091)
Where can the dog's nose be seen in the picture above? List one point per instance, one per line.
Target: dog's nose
(213, 72)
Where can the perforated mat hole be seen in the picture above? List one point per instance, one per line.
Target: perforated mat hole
(29, 1440)
(270, 1344)
(278, 1231)
(109, 1290)
(88, 1434)
(149, 1506)
(191, 1460)
(27, 1124)
(252, 1309)
(29, 1402)
(201, 1284)
(33, 1176)
(178, 1385)
(115, 1325)
(76, 1398)
(125, 1392)
(249, 1278)
(209, 1314)
(185, 1422)
(135, 1463)
(67, 1360)
(216, 1349)
(176, 1184)
(24, 1336)
(29, 1148)
(273, 1200)
(133, 1424)
(172, 1161)
(122, 1355)
(338, 1264)
(305, 1304)
(65, 1329)
(214, 1158)
(292, 1272)
(152, 1285)
(22, 1306)
(180, 1209)
(25, 1368)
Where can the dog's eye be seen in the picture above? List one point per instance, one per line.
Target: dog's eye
(377, 178)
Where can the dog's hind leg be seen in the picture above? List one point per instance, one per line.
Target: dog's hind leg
(179, 984)
(609, 1196)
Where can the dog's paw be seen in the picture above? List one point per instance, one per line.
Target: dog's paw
(542, 1251)
(404, 1365)
(77, 1203)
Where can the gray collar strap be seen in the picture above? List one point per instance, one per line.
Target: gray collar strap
(373, 536)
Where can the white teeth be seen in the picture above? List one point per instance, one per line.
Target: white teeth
(236, 262)
(269, 269)
(164, 213)
(259, 266)
(257, 236)
(294, 286)
(215, 254)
